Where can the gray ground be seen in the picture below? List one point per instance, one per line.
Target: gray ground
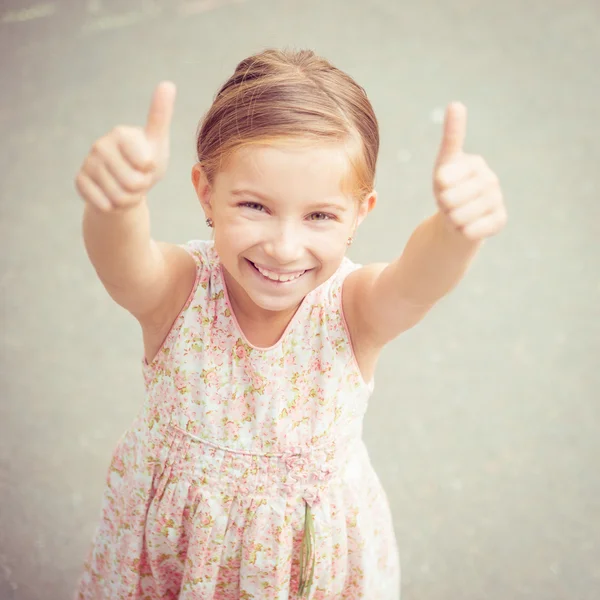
(485, 422)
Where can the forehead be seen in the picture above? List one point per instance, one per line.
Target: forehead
(289, 170)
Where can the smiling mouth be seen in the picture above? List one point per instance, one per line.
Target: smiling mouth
(278, 277)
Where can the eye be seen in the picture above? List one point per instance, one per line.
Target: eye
(321, 216)
(252, 205)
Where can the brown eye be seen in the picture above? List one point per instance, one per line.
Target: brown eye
(252, 205)
(320, 216)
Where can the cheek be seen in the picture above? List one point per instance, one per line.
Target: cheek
(236, 232)
(329, 245)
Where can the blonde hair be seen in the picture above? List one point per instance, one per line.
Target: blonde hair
(291, 96)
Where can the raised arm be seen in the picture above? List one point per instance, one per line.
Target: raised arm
(381, 301)
(149, 279)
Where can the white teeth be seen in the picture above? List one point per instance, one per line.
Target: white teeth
(278, 276)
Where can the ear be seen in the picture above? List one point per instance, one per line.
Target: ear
(203, 189)
(366, 206)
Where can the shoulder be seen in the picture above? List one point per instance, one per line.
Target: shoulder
(338, 298)
(356, 295)
(354, 298)
(335, 286)
(202, 251)
(186, 265)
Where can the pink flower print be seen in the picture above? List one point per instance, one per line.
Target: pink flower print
(324, 473)
(180, 381)
(209, 377)
(295, 462)
(316, 366)
(312, 496)
(204, 277)
(207, 520)
(101, 561)
(304, 389)
(251, 552)
(296, 465)
(271, 388)
(231, 427)
(231, 402)
(165, 525)
(258, 383)
(117, 465)
(221, 343)
(240, 350)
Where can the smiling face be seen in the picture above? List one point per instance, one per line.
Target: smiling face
(282, 218)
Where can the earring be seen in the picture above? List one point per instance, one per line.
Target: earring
(209, 222)
(350, 240)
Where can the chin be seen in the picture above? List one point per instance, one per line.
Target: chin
(272, 304)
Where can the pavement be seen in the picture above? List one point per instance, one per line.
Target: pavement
(485, 421)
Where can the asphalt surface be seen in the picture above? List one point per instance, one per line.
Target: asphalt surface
(485, 422)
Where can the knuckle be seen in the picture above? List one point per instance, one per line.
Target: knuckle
(439, 181)
(445, 198)
(121, 135)
(120, 198)
(119, 132)
(80, 182)
(97, 147)
(478, 163)
(91, 166)
(105, 207)
(470, 234)
(134, 182)
(101, 147)
(458, 219)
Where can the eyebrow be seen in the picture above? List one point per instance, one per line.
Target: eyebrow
(316, 206)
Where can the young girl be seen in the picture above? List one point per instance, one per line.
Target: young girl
(245, 474)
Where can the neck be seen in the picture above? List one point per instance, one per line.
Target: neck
(261, 327)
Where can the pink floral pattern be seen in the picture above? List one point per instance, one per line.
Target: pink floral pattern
(206, 493)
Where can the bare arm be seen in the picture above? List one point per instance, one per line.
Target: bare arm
(147, 278)
(381, 301)
(399, 294)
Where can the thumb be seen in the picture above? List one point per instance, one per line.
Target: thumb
(455, 131)
(158, 122)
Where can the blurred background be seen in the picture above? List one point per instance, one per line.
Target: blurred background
(485, 422)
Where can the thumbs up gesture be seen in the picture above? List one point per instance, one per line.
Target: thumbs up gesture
(467, 191)
(125, 163)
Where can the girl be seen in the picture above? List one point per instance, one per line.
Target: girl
(245, 475)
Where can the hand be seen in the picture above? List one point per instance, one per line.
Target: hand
(467, 191)
(124, 164)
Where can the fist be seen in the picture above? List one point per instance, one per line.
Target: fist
(124, 164)
(467, 191)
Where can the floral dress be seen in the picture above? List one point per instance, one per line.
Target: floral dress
(245, 474)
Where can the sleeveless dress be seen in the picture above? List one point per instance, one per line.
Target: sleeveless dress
(245, 475)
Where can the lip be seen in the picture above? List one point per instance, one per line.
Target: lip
(278, 271)
(272, 282)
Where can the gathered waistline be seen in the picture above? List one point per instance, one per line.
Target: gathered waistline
(293, 450)
(304, 472)
(174, 455)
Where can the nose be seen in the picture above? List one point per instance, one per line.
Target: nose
(284, 244)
